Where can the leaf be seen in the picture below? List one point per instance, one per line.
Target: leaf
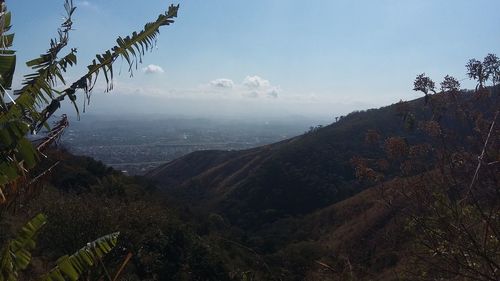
(72, 267)
(6, 40)
(8, 172)
(68, 268)
(16, 255)
(27, 152)
(5, 138)
(7, 52)
(7, 17)
(7, 68)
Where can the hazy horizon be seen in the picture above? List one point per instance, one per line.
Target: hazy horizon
(267, 59)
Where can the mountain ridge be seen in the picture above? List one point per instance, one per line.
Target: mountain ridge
(314, 166)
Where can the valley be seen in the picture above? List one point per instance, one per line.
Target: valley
(135, 146)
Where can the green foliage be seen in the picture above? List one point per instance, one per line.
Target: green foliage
(7, 57)
(16, 254)
(38, 99)
(27, 110)
(161, 244)
(72, 267)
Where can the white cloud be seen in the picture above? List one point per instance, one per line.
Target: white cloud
(274, 92)
(252, 86)
(87, 5)
(255, 82)
(217, 89)
(258, 87)
(153, 69)
(252, 94)
(222, 83)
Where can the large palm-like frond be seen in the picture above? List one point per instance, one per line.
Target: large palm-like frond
(7, 57)
(20, 116)
(131, 48)
(16, 255)
(72, 267)
(16, 116)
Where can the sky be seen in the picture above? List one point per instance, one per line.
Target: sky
(268, 58)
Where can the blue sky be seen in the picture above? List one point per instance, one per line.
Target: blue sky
(270, 57)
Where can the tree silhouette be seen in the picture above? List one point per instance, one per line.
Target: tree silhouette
(450, 84)
(425, 85)
(491, 65)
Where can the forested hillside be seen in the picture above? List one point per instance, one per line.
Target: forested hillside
(296, 176)
(85, 199)
(344, 193)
